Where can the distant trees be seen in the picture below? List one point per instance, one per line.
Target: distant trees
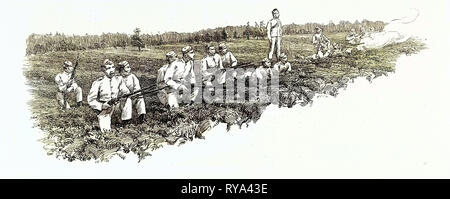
(42, 43)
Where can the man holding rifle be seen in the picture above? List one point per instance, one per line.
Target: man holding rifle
(104, 95)
(175, 79)
(66, 84)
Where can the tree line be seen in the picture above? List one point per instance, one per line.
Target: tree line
(42, 43)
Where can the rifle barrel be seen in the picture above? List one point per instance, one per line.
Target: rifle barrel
(151, 91)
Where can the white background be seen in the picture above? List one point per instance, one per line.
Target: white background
(395, 127)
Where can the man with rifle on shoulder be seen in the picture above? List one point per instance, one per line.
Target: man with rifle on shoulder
(66, 84)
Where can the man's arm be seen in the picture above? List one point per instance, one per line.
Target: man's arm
(92, 97)
(314, 39)
(219, 62)
(205, 71)
(62, 87)
(187, 71)
(269, 28)
(169, 75)
(289, 67)
(233, 60)
(137, 85)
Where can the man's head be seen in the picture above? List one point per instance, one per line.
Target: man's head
(223, 48)
(188, 53)
(275, 13)
(171, 56)
(318, 30)
(283, 58)
(108, 68)
(124, 68)
(266, 63)
(210, 50)
(68, 67)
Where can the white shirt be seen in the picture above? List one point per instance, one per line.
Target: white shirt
(228, 60)
(274, 28)
(209, 63)
(212, 62)
(189, 73)
(104, 89)
(131, 82)
(260, 73)
(175, 74)
(281, 68)
(161, 74)
(62, 79)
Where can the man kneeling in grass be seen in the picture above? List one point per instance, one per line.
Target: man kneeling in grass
(66, 84)
(104, 94)
(132, 83)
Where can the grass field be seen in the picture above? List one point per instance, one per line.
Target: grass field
(74, 135)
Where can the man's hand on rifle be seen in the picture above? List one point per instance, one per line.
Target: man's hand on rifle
(106, 106)
(183, 88)
(112, 102)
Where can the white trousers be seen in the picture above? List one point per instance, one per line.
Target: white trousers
(275, 43)
(104, 117)
(172, 99)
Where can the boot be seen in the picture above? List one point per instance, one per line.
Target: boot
(125, 123)
(141, 119)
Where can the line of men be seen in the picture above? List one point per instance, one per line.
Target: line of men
(178, 74)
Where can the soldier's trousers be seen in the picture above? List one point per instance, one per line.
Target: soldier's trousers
(104, 117)
(78, 96)
(138, 103)
(172, 99)
(275, 43)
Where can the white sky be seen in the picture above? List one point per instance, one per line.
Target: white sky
(95, 17)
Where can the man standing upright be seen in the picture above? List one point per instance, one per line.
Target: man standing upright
(274, 33)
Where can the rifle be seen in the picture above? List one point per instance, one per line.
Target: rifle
(72, 77)
(242, 65)
(136, 93)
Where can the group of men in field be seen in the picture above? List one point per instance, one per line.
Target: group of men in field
(178, 81)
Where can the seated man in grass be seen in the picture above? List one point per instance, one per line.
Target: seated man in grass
(283, 66)
(66, 84)
(322, 44)
(264, 71)
(174, 78)
(162, 94)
